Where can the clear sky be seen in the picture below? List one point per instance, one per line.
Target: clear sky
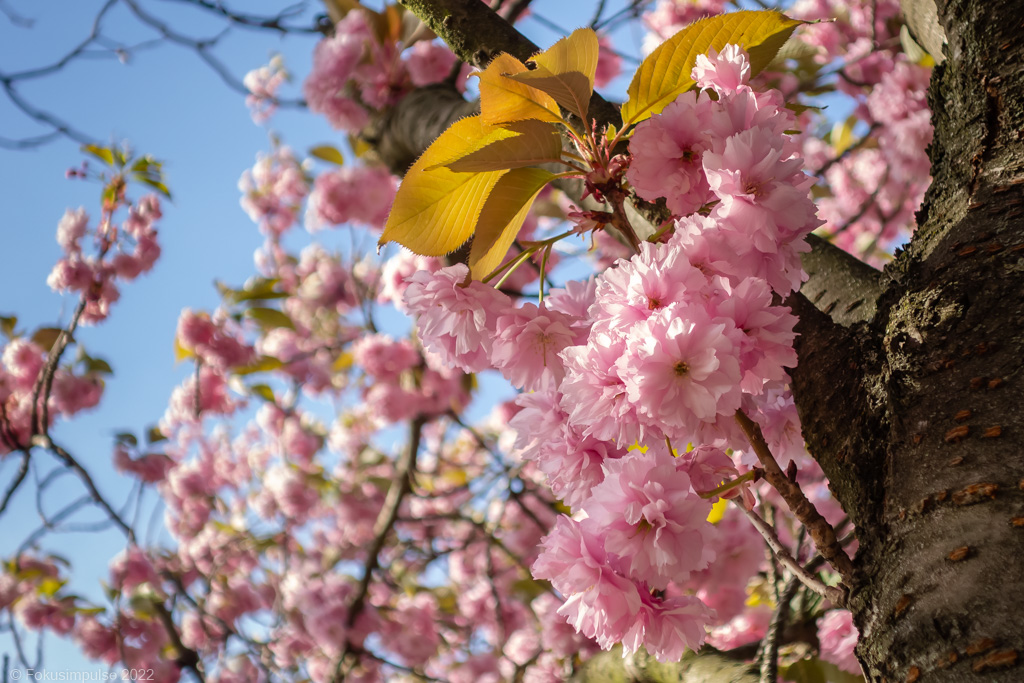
(166, 102)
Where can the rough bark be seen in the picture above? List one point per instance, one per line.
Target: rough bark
(918, 426)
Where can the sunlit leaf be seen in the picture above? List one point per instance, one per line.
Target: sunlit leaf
(269, 318)
(154, 435)
(718, 510)
(90, 611)
(436, 211)
(665, 73)
(49, 586)
(842, 135)
(258, 288)
(344, 361)
(261, 364)
(104, 154)
(503, 216)
(263, 391)
(155, 184)
(566, 71)
(523, 143)
(503, 99)
(180, 352)
(328, 153)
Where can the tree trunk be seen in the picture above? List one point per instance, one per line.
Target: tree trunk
(919, 426)
(908, 386)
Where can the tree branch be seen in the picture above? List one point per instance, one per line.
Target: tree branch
(820, 530)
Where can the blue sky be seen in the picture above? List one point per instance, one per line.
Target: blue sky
(166, 102)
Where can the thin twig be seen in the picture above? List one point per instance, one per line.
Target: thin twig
(821, 531)
(836, 595)
(401, 485)
(770, 642)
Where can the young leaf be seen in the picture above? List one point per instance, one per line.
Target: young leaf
(104, 154)
(503, 216)
(566, 71)
(529, 143)
(7, 325)
(328, 153)
(503, 100)
(46, 337)
(436, 211)
(269, 318)
(261, 364)
(665, 73)
(263, 391)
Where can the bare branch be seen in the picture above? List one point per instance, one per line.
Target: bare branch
(820, 530)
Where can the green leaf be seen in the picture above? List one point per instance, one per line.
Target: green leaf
(329, 154)
(154, 435)
(49, 586)
(155, 184)
(254, 289)
(502, 217)
(104, 154)
(144, 163)
(436, 211)
(269, 318)
(263, 391)
(126, 438)
(97, 365)
(261, 364)
(566, 71)
(46, 337)
(665, 73)
(528, 143)
(90, 611)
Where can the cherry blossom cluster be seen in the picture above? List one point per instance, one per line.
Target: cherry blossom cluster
(356, 72)
(263, 84)
(660, 349)
(94, 259)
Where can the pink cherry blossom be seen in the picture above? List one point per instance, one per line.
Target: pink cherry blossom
(527, 344)
(838, 637)
(681, 368)
(455, 321)
(650, 518)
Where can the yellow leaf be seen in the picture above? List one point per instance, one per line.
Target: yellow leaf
(665, 73)
(180, 352)
(503, 215)
(566, 71)
(49, 586)
(343, 362)
(522, 143)
(436, 211)
(842, 135)
(503, 99)
(718, 511)
(328, 153)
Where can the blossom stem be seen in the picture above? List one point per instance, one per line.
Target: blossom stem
(752, 475)
(820, 530)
